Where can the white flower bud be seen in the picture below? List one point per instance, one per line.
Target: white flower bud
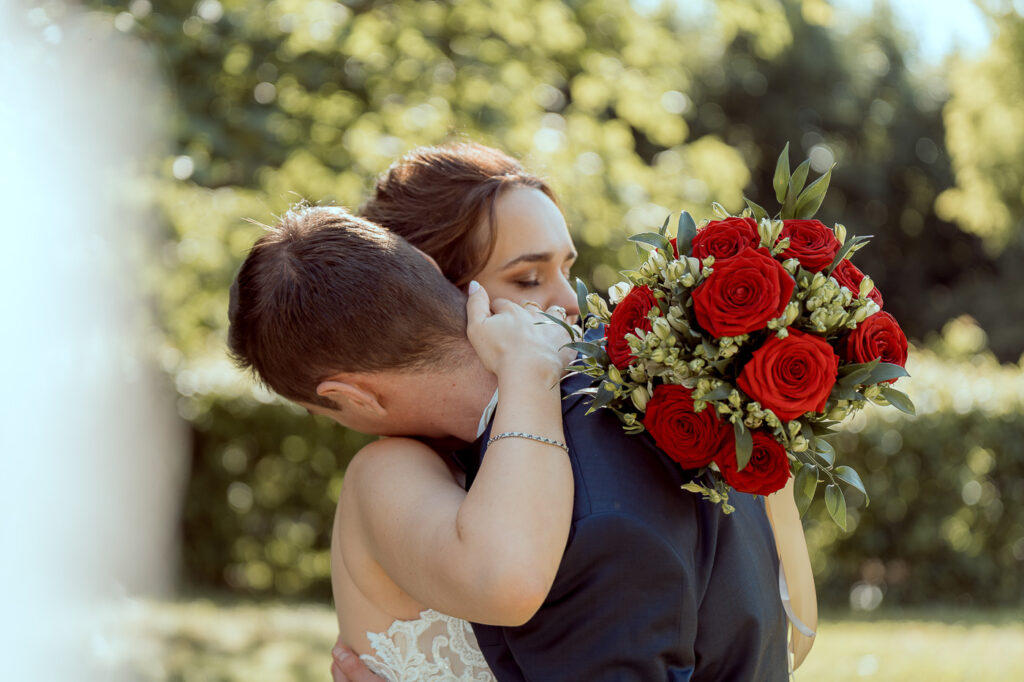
(693, 265)
(640, 396)
(764, 230)
(792, 312)
(659, 355)
(658, 259)
(676, 270)
(800, 444)
(840, 231)
(696, 365)
(618, 291)
(818, 281)
(866, 285)
(791, 265)
(872, 392)
(793, 427)
(614, 374)
(598, 306)
(661, 328)
(637, 373)
(706, 272)
(687, 280)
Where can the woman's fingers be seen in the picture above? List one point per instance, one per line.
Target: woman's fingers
(478, 304)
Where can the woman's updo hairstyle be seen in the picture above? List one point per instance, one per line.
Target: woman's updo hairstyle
(437, 197)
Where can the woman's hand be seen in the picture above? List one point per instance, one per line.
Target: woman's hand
(346, 666)
(515, 338)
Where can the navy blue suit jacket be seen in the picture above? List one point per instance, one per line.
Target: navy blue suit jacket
(655, 583)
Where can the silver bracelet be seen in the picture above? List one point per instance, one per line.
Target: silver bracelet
(530, 436)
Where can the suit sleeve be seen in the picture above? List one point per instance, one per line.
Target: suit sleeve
(624, 607)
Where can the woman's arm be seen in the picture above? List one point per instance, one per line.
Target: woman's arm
(489, 555)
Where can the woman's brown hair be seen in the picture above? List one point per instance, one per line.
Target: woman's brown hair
(438, 197)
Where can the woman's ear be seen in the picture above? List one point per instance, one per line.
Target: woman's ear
(431, 259)
(346, 394)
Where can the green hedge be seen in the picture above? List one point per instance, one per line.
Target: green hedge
(945, 522)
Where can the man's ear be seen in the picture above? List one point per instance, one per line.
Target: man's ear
(346, 393)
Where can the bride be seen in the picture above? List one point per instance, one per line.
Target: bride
(414, 555)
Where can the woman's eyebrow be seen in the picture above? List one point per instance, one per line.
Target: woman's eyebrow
(541, 257)
(528, 258)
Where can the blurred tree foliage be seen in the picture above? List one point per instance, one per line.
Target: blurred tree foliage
(985, 118)
(633, 109)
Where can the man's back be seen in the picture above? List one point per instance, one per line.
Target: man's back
(655, 583)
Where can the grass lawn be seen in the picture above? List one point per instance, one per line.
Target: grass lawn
(206, 640)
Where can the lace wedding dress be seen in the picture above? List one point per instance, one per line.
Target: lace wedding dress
(431, 648)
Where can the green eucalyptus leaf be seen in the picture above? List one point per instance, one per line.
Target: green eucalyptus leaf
(720, 393)
(587, 348)
(581, 298)
(849, 246)
(898, 399)
(824, 451)
(744, 445)
(562, 323)
(852, 478)
(654, 239)
(756, 210)
(796, 184)
(685, 233)
(856, 378)
(810, 200)
(886, 371)
(851, 368)
(840, 392)
(663, 230)
(835, 502)
(781, 180)
(804, 486)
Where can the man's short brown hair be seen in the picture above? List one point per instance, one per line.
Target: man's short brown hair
(324, 292)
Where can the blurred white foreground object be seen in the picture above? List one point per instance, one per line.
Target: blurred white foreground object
(93, 454)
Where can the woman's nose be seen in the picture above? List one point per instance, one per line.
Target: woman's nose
(565, 296)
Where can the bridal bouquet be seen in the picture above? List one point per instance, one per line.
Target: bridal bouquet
(741, 344)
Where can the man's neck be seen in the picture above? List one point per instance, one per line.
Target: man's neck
(455, 400)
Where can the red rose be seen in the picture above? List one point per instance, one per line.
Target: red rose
(766, 472)
(629, 315)
(690, 438)
(742, 294)
(849, 275)
(725, 238)
(879, 336)
(791, 376)
(810, 242)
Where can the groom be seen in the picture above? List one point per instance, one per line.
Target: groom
(655, 584)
